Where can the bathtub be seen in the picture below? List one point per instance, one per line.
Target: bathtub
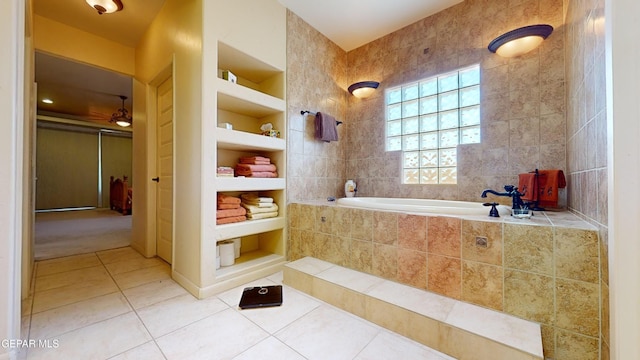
(424, 206)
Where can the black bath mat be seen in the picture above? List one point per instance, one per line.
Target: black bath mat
(261, 296)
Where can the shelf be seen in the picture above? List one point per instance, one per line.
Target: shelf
(245, 65)
(240, 140)
(249, 227)
(242, 100)
(249, 184)
(248, 262)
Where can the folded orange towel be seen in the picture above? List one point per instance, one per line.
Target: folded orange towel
(229, 220)
(226, 199)
(527, 185)
(227, 206)
(231, 212)
(258, 160)
(549, 181)
(264, 174)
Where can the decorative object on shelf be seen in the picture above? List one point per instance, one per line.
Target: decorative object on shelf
(350, 188)
(363, 89)
(268, 130)
(229, 76)
(106, 6)
(326, 127)
(225, 125)
(520, 41)
(121, 117)
(224, 171)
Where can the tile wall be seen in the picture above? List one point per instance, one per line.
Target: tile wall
(545, 270)
(587, 129)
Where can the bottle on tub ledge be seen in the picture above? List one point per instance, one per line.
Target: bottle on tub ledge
(350, 188)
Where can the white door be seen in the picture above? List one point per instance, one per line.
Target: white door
(164, 193)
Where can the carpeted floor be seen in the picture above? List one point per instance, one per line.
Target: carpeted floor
(59, 234)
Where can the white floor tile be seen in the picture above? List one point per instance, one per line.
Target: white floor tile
(153, 292)
(221, 336)
(146, 351)
(123, 266)
(50, 323)
(294, 305)
(72, 277)
(53, 298)
(172, 314)
(120, 254)
(270, 348)
(328, 333)
(53, 266)
(98, 341)
(391, 346)
(135, 278)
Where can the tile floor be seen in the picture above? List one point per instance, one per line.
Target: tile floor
(116, 304)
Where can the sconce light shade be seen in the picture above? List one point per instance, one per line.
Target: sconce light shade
(363, 89)
(520, 41)
(106, 6)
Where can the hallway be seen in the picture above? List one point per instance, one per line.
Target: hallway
(116, 304)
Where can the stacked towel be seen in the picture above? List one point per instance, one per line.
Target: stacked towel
(257, 167)
(229, 210)
(325, 127)
(259, 207)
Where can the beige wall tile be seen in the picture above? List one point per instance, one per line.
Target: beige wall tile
(482, 284)
(548, 341)
(529, 296)
(412, 268)
(362, 224)
(577, 254)
(385, 261)
(412, 232)
(444, 236)
(444, 275)
(361, 257)
(341, 221)
(572, 346)
(389, 316)
(492, 254)
(578, 307)
(528, 248)
(385, 227)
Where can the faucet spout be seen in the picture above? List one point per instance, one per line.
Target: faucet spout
(510, 191)
(484, 193)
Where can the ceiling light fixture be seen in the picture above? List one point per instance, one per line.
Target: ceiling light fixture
(47, 101)
(121, 117)
(520, 41)
(106, 6)
(363, 89)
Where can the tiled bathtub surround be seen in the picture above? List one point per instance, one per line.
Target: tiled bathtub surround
(545, 269)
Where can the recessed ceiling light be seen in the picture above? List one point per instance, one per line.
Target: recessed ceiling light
(47, 101)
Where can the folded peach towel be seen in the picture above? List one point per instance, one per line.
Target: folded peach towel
(257, 168)
(230, 212)
(263, 174)
(549, 181)
(527, 185)
(262, 215)
(229, 220)
(257, 160)
(226, 199)
(227, 206)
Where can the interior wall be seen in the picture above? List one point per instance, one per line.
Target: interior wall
(315, 169)
(174, 37)
(587, 135)
(522, 104)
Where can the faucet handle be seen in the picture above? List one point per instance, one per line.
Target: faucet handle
(493, 212)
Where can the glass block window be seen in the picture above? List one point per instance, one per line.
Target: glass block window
(427, 119)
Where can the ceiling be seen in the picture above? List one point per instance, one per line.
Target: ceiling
(84, 92)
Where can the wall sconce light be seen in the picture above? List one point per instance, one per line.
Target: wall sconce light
(520, 41)
(363, 89)
(106, 6)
